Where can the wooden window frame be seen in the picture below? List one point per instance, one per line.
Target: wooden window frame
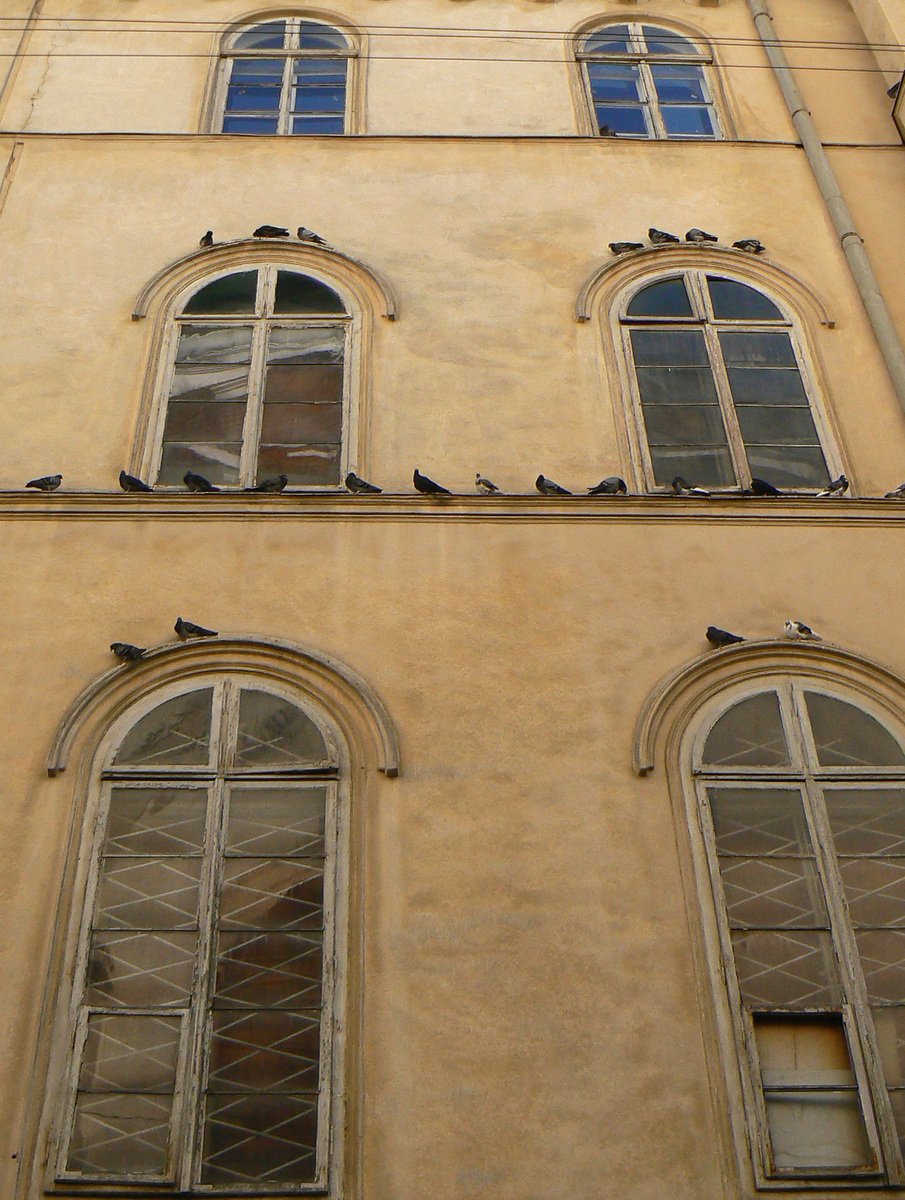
(184, 1153)
(261, 321)
(695, 279)
(807, 776)
(649, 104)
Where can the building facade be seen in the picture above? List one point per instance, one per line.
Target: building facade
(448, 859)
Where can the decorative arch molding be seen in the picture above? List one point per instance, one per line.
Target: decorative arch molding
(676, 700)
(602, 287)
(368, 288)
(345, 697)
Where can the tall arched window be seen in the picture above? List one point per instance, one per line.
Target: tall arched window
(205, 973)
(801, 800)
(286, 76)
(647, 81)
(254, 384)
(721, 386)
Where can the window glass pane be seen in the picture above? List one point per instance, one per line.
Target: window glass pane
(130, 1053)
(148, 893)
(687, 121)
(269, 970)
(156, 820)
(217, 462)
(299, 424)
(772, 425)
(615, 82)
(284, 821)
(311, 99)
(624, 119)
(875, 890)
(122, 1134)
(246, 98)
(613, 39)
(684, 425)
(882, 955)
(680, 84)
(867, 820)
(176, 732)
(207, 387)
(788, 466)
(269, 1051)
(760, 349)
(300, 293)
(773, 893)
(314, 36)
(890, 1026)
(767, 385)
(306, 466)
(268, 36)
(748, 734)
(846, 736)
(676, 385)
(231, 294)
(258, 70)
(313, 384)
(252, 1139)
(668, 298)
(710, 468)
(321, 71)
(272, 893)
(759, 821)
(317, 125)
(738, 302)
(206, 345)
(669, 347)
(666, 41)
(188, 421)
(785, 969)
(249, 125)
(140, 969)
(275, 732)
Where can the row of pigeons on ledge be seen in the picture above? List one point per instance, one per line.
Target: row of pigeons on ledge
(796, 631)
(612, 485)
(185, 630)
(697, 237)
(269, 231)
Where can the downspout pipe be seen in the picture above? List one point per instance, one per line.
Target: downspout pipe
(16, 56)
(843, 221)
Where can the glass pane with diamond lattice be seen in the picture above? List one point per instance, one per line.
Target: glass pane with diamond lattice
(148, 893)
(773, 893)
(274, 732)
(156, 821)
(748, 734)
(889, 1023)
(847, 737)
(867, 820)
(258, 1139)
(759, 821)
(897, 1103)
(785, 969)
(875, 890)
(272, 893)
(130, 1053)
(269, 970)
(283, 821)
(882, 954)
(121, 1134)
(270, 1051)
(175, 733)
(140, 969)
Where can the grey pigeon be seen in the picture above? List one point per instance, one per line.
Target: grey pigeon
(547, 487)
(719, 638)
(484, 485)
(47, 483)
(361, 487)
(427, 487)
(699, 235)
(129, 483)
(797, 631)
(197, 483)
(127, 652)
(750, 246)
(897, 494)
(681, 487)
(308, 235)
(207, 239)
(186, 629)
(270, 231)
(760, 487)
(605, 131)
(625, 247)
(893, 91)
(275, 484)
(611, 486)
(659, 238)
(837, 488)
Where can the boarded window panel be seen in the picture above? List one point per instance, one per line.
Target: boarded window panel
(771, 425)
(276, 821)
(313, 466)
(733, 301)
(867, 820)
(273, 731)
(668, 298)
(234, 293)
(786, 969)
(684, 425)
(773, 893)
(750, 733)
(847, 736)
(292, 424)
(759, 821)
(762, 385)
(253, 1139)
(120, 1134)
(316, 384)
(176, 732)
(669, 347)
(789, 466)
(218, 463)
(889, 1024)
(712, 468)
(676, 385)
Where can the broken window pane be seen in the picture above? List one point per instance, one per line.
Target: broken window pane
(750, 733)
(122, 1134)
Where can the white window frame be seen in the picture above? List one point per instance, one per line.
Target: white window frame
(649, 104)
(805, 775)
(186, 1128)
(703, 318)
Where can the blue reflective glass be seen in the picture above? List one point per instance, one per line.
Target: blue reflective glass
(256, 70)
(665, 41)
(268, 36)
(258, 99)
(319, 100)
(314, 36)
(233, 124)
(614, 82)
(622, 120)
(312, 125)
(614, 39)
(323, 71)
(687, 121)
(679, 85)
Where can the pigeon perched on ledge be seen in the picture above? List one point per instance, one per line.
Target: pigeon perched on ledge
(361, 487)
(797, 631)
(719, 638)
(681, 487)
(197, 483)
(837, 488)
(896, 494)
(46, 483)
(275, 484)
(547, 487)
(749, 246)
(699, 236)
(308, 235)
(187, 629)
(484, 485)
(427, 487)
(611, 486)
(761, 487)
(130, 483)
(207, 239)
(625, 247)
(127, 652)
(270, 231)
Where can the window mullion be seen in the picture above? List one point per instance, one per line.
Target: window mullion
(730, 418)
(253, 415)
(286, 95)
(655, 122)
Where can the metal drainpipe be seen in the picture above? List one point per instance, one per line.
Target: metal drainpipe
(852, 244)
(30, 20)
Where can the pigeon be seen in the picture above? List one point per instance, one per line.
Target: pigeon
(547, 487)
(699, 235)
(127, 652)
(719, 638)
(186, 629)
(897, 494)
(760, 487)
(799, 632)
(605, 131)
(625, 247)
(659, 238)
(207, 239)
(361, 487)
(681, 487)
(197, 483)
(308, 235)
(893, 91)
(270, 231)
(130, 484)
(611, 486)
(484, 485)
(275, 484)
(750, 246)
(836, 488)
(47, 483)
(427, 487)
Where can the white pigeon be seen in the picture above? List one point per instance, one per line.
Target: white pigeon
(484, 485)
(797, 631)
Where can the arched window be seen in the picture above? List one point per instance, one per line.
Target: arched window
(255, 382)
(720, 384)
(646, 81)
(285, 76)
(206, 956)
(801, 799)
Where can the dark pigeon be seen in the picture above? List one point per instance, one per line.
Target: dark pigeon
(361, 487)
(681, 487)
(547, 487)
(699, 235)
(127, 652)
(750, 246)
(207, 239)
(270, 231)
(897, 493)
(605, 131)
(308, 235)
(46, 483)
(484, 485)
(186, 629)
(625, 247)
(719, 638)
(197, 483)
(427, 487)
(129, 483)
(659, 238)
(611, 486)
(837, 488)
(760, 487)
(275, 484)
